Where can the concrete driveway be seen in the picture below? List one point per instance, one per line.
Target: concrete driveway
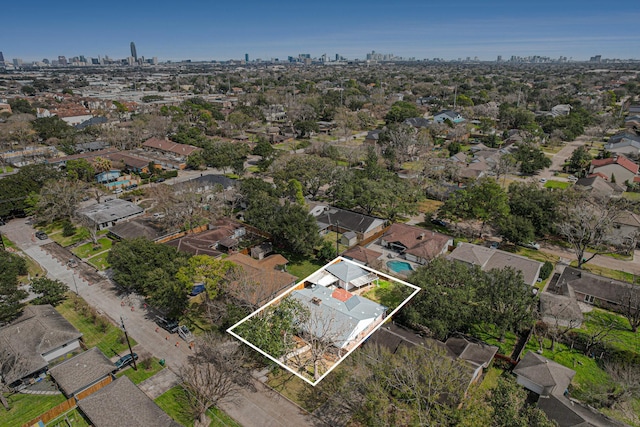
(260, 407)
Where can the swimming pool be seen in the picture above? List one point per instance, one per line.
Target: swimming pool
(399, 266)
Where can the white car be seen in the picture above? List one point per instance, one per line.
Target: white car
(543, 180)
(532, 245)
(572, 178)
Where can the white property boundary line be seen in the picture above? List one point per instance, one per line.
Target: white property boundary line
(415, 288)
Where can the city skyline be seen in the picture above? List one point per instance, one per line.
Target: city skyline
(202, 32)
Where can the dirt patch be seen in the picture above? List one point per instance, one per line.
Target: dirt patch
(63, 255)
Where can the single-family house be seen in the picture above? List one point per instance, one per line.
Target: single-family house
(220, 237)
(415, 243)
(561, 110)
(345, 274)
(39, 336)
(632, 123)
(123, 403)
(372, 138)
(618, 169)
(626, 229)
(166, 147)
(598, 186)
(444, 115)
(418, 122)
(624, 143)
(560, 310)
(595, 290)
(337, 315)
(472, 356)
(362, 255)
(488, 259)
(260, 280)
(342, 221)
(543, 376)
(138, 227)
(108, 213)
(82, 371)
(549, 382)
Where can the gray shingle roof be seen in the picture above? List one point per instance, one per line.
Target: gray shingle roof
(545, 372)
(39, 330)
(346, 271)
(81, 371)
(111, 210)
(121, 403)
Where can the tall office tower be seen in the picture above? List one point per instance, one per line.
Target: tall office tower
(1, 59)
(246, 57)
(133, 52)
(62, 60)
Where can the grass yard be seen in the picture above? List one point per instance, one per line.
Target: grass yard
(99, 333)
(141, 374)
(606, 272)
(557, 184)
(290, 386)
(634, 197)
(331, 237)
(171, 403)
(429, 206)
(100, 261)
(622, 338)
(80, 235)
(303, 268)
(541, 256)
(72, 418)
(25, 407)
(389, 294)
(491, 336)
(6, 169)
(88, 249)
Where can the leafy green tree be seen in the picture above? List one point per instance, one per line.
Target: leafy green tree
(507, 301)
(225, 154)
(484, 200)
(53, 127)
(531, 158)
(16, 188)
(538, 205)
(48, 291)
(312, 171)
(327, 251)
(447, 300)
(207, 270)
(510, 408)
(11, 266)
(516, 229)
(80, 169)
(19, 105)
(580, 161)
(401, 111)
(305, 128)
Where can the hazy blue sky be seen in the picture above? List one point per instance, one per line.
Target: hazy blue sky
(207, 30)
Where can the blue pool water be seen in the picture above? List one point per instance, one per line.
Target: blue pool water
(399, 266)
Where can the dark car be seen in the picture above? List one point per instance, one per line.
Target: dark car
(2, 222)
(125, 360)
(196, 290)
(170, 326)
(439, 222)
(160, 180)
(41, 235)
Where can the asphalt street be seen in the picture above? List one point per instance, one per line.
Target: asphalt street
(260, 407)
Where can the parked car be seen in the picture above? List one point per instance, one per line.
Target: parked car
(494, 245)
(196, 290)
(2, 222)
(572, 178)
(543, 180)
(41, 235)
(125, 360)
(72, 263)
(117, 191)
(160, 180)
(168, 325)
(531, 245)
(439, 222)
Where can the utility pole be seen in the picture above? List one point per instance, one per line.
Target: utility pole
(337, 237)
(128, 343)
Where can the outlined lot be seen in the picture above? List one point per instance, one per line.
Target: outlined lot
(315, 325)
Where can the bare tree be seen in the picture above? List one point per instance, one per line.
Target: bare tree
(58, 199)
(12, 368)
(215, 373)
(630, 306)
(587, 222)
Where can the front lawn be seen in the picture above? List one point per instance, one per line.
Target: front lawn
(97, 331)
(304, 267)
(145, 370)
(606, 272)
(25, 407)
(172, 402)
(291, 386)
(557, 184)
(89, 249)
(100, 261)
(632, 196)
(72, 418)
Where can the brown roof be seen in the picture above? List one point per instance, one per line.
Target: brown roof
(122, 403)
(205, 243)
(261, 281)
(362, 254)
(82, 371)
(619, 160)
(417, 241)
(341, 294)
(170, 146)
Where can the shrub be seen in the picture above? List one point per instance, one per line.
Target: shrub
(546, 270)
(68, 229)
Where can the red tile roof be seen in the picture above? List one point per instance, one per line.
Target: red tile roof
(341, 295)
(170, 146)
(619, 160)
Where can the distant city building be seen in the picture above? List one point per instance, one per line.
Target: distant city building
(499, 58)
(62, 60)
(246, 57)
(597, 58)
(133, 52)
(17, 62)
(1, 59)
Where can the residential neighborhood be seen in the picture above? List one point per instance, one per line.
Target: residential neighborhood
(361, 243)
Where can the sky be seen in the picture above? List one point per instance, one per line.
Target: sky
(203, 30)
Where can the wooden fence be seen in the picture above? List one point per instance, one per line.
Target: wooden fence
(68, 404)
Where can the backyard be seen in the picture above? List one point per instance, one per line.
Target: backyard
(25, 407)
